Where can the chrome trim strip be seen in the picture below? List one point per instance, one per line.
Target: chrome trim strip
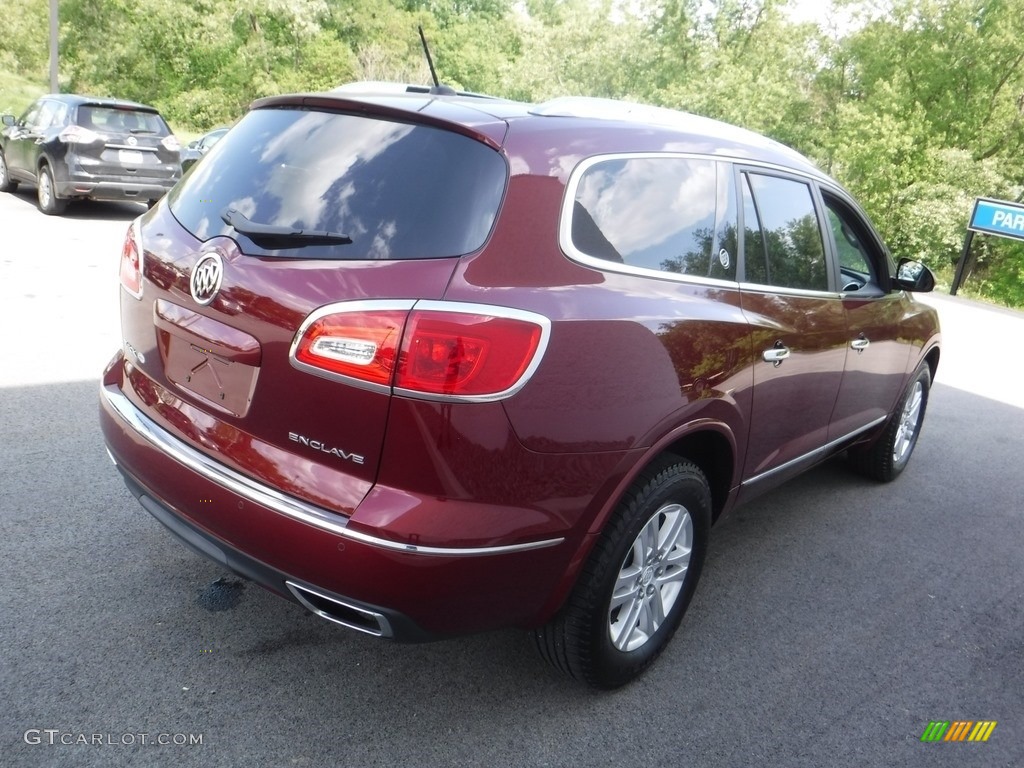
(370, 305)
(775, 290)
(569, 198)
(381, 619)
(604, 265)
(565, 221)
(812, 454)
(135, 230)
(266, 496)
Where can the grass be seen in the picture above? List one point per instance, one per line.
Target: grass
(17, 92)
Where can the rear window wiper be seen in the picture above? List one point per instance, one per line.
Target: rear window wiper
(289, 236)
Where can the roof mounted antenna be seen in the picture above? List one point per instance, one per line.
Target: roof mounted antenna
(437, 87)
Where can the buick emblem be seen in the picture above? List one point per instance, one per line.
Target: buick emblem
(206, 277)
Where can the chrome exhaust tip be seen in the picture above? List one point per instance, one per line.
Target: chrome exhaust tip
(340, 612)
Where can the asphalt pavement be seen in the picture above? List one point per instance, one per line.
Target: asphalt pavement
(836, 618)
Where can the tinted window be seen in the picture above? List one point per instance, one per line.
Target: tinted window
(859, 258)
(754, 257)
(32, 114)
(793, 245)
(667, 214)
(400, 191)
(113, 120)
(47, 113)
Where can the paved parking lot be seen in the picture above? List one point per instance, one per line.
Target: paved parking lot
(835, 619)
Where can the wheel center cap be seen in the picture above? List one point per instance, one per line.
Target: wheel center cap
(648, 576)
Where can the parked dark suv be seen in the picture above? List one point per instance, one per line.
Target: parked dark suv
(433, 364)
(77, 147)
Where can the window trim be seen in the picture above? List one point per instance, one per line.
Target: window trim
(813, 184)
(738, 165)
(569, 200)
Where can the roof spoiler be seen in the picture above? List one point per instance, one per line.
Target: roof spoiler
(384, 87)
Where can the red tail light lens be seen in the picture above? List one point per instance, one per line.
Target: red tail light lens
(361, 345)
(452, 353)
(437, 350)
(131, 262)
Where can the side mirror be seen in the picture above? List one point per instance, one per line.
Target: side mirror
(193, 144)
(9, 120)
(914, 276)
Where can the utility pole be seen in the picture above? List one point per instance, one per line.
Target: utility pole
(54, 27)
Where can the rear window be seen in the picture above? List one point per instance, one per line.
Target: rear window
(114, 120)
(398, 190)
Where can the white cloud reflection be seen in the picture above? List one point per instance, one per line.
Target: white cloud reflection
(645, 202)
(306, 165)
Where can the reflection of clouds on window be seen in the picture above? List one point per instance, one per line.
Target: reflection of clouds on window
(246, 206)
(651, 210)
(350, 174)
(203, 228)
(306, 164)
(380, 248)
(354, 226)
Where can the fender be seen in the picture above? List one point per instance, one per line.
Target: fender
(632, 465)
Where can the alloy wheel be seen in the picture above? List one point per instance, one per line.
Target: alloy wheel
(45, 191)
(651, 577)
(910, 419)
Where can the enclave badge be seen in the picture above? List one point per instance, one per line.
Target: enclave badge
(206, 277)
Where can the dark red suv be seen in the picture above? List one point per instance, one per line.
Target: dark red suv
(434, 364)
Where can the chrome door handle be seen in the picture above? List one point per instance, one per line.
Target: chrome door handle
(860, 344)
(776, 355)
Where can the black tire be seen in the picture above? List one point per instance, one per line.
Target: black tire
(46, 194)
(579, 640)
(887, 457)
(6, 183)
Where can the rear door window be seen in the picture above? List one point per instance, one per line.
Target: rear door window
(397, 190)
(788, 250)
(658, 213)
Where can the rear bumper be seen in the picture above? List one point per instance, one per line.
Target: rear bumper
(114, 189)
(316, 557)
(73, 178)
(363, 617)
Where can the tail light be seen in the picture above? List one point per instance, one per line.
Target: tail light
(429, 349)
(76, 134)
(131, 262)
(359, 345)
(171, 143)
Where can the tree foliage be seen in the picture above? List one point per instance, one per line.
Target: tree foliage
(917, 106)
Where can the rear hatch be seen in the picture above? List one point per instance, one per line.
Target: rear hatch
(299, 218)
(132, 142)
